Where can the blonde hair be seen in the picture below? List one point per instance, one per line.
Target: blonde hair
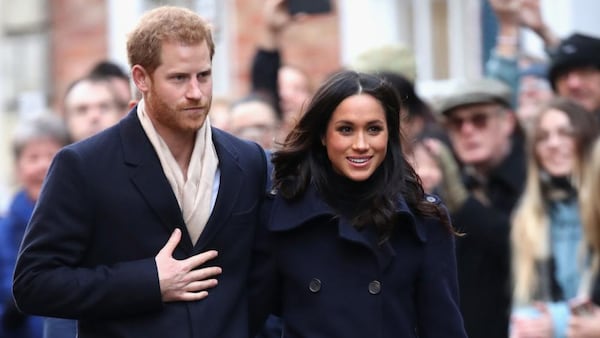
(166, 23)
(530, 238)
(590, 205)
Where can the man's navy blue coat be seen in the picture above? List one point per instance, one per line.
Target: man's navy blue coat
(105, 211)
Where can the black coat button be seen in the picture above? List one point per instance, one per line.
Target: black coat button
(314, 285)
(375, 287)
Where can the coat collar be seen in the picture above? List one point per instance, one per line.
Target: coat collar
(287, 215)
(147, 175)
(232, 176)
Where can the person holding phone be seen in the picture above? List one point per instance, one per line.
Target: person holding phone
(353, 247)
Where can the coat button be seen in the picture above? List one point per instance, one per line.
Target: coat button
(314, 285)
(375, 287)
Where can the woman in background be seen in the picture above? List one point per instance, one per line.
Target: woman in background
(34, 144)
(546, 230)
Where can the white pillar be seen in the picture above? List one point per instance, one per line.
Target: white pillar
(456, 47)
(422, 38)
(122, 16)
(367, 24)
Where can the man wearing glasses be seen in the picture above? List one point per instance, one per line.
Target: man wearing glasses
(488, 143)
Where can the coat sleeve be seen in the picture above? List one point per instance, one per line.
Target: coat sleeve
(437, 288)
(494, 232)
(10, 238)
(50, 279)
(7, 258)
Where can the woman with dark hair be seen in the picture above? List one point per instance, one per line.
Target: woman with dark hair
(352, 245)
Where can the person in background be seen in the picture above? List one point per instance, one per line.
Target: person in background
(286, 85)
(219, 113)
(117, 77)
(506, 59)
(34, 143)
(508, 62)
(436, 166)
(293, 86)
(138, 224)
(353, 247)
(585, 312)
(546, 234)
(574, 71)
(91, 105)
(417, 117)
(488, 142)
(424, 159)
(254, 119)
(534, 92)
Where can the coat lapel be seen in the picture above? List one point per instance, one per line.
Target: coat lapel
(287, 215)
(148, 177)
(229, 187)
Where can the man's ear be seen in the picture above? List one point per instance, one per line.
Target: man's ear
(141, 78)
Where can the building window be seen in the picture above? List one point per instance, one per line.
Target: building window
(24, 57)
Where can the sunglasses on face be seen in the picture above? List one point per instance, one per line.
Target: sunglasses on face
(478, 120)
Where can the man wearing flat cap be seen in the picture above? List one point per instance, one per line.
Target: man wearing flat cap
(575, 70)
(488, 142)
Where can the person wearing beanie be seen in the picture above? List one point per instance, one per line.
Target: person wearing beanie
(575, 70)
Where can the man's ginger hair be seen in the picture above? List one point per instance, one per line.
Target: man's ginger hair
(165, 24)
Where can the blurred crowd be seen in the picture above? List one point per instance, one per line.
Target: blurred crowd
(514, 156)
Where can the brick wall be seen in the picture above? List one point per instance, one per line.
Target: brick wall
(78, 39)
(311, 44)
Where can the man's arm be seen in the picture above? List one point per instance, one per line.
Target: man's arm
(51, 280)
(437, 287)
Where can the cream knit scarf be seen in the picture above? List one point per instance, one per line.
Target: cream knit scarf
(194, 192)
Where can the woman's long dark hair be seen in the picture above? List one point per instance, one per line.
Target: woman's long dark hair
(303, 158)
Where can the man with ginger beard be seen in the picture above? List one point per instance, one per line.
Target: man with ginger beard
(145, 229)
